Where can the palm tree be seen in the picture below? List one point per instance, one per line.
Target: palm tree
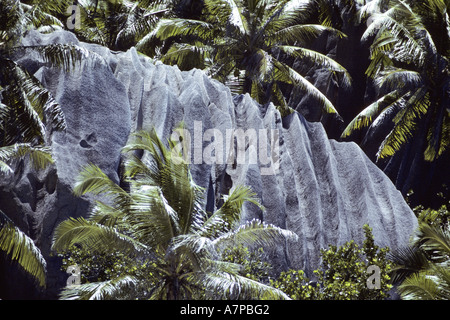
(117, 24)
(410, 65)
(241, 43)
(407, 129)
(423, 270)
(160, 222)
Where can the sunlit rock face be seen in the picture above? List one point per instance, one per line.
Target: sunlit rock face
(323, 190)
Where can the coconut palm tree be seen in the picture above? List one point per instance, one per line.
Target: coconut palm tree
(241, 43)
(423, 270)
(117, 24)
(410, 65)
(161, 222)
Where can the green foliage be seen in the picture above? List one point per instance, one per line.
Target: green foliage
(410, 67)
(160, 221)
(101, 267)
(422, 270)
(241, 44)
(20, 248)
(295, 284)
(432, 217)
(252, 262)
(117, 25)
(342, 275)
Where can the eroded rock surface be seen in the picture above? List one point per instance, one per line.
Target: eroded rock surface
(323, 190)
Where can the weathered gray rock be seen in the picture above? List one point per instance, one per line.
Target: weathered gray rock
(97, 114)
(322, 190)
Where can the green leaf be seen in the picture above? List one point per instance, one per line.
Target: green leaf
(19, 247)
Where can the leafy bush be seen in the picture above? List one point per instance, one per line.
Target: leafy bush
(253, 264)
(98, 266)
(343, 274)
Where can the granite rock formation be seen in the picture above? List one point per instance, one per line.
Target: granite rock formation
(322, 190)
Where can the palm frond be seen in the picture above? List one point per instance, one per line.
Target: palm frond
(38, 16)
(320, 60)
(40, 156)
(19, 247)
(229, 11)
(163, 170)
(419, 286)
(402, 23)
(64, 56)
(110, 289)
(107, 215)
(93, 235)
(435, 240)
(366, 117)
(396, 78)
(33, 105)
(187, 56)
(168, 28)
(227, 216)
(405, 123)
(154, 221)
(256, 233)
(286, 74)
(407, 261)
(93, 180)
(233, 286)
(302, 33)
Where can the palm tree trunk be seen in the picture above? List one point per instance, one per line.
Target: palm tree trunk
(247, 88)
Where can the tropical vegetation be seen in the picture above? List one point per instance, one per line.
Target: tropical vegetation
(28, 116)
(161, 223)
(151, 237)
(344, 274)
(242, 44)
(422, 269)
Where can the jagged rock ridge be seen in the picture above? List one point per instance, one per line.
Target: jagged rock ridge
(323, 190)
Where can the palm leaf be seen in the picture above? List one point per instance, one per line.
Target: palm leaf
(435, 240)
(19, 247)
(228, 215)
(110, 289)
(256, 233)
(40, 156)
(229, 11)
(93, 236)
(233, 286)
(302, 33)
(154, 221)
(419, 286)
(396, 78)
(34, 106)
(64, 56)
(172, 177)
(405, 123)
(168, 28)
(318, 59)
(366, 117)
(93, 180)
(407, 261)
(286, 74)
